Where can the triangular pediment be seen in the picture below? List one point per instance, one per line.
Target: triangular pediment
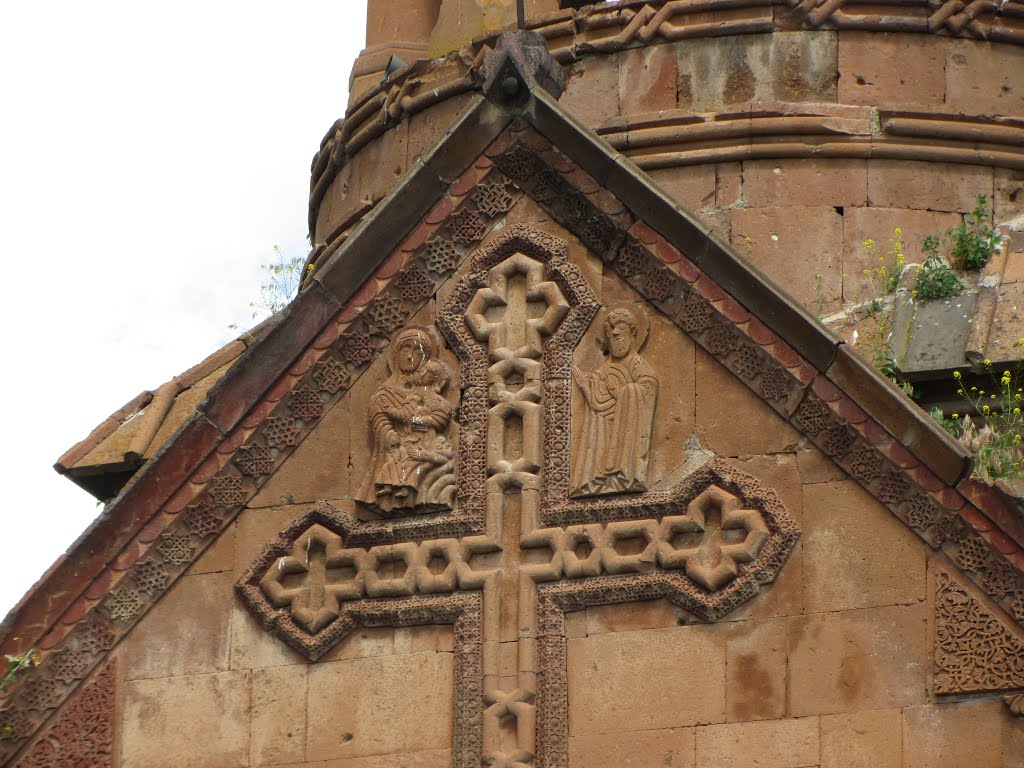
(523, 182)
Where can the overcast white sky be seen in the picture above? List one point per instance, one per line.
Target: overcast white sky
(151, 156)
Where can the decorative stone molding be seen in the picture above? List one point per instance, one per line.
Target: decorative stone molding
(975, 649)
(82, 735)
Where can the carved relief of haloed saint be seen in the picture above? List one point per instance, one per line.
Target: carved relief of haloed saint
(613, 453)
(411, 460)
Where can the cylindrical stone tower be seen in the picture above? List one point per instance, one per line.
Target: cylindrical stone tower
(798, 130)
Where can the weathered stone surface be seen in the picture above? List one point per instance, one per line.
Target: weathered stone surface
(961, 735)
(985, 78)
(868, 73)
(606, 668)
(874, 658)
(630, 617)
(927, 186)
(815, 466)
(940, 332)
(1007, 325)
(800, 248)
(789, 743)
(672, 747)
(186, 633)
(278, 731)
(252, 647)
(592, 90)
(438, 758)
(694, 187)
(732, 420)
(857, 554)
(805, 182)
(719, 71)
(194, 720)
(867, 739)
(647, 79)
(756, 670)
(356, 696)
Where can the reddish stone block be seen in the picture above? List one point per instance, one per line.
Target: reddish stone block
(927, 186)
(805, 182)
(869, 73)
(799, 248)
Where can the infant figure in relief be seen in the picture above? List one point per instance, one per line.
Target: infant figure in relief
(613, 452)
(411, 460)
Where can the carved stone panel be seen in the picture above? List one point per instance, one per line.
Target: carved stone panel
(975, 649)
(412, 466)
(619, 400)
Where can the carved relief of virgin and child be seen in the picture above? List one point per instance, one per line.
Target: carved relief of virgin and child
(411, 462)
(613, 451)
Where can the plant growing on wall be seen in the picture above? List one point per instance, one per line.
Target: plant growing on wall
(996, 439)
(973, 242)
(935, 280)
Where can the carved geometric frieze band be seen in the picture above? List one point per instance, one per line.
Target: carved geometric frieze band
(977, 649)
(81, 734)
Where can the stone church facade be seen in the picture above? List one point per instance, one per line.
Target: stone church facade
(538, 469)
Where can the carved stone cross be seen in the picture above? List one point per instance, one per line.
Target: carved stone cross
(518, 553)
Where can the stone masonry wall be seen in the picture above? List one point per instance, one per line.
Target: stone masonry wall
(796, 146)
(830, 666)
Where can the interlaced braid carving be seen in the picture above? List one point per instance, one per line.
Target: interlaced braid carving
(974, 649)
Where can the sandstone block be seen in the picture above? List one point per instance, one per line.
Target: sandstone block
(875, 658)
(857, 554)
(219, 556)
(278, 730)
(427, 127)
(186, 632)
(730, 184)
(633, 681)
(644, 749)
(756, 670)
(799, 248)
(647, 614)
(647, 79)
(201, 721)
(927, 186)
(307, 475)
(801, 182)
(719, 71)
(868, 739)
(789, 743)
(592, 90)
(376, 706)
(985, 78)
(815, 466)
(438, 758)
(693, 186)
(732, 420)
(962, 735)
(868, 73)
(252, 647)
(1007, 325)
